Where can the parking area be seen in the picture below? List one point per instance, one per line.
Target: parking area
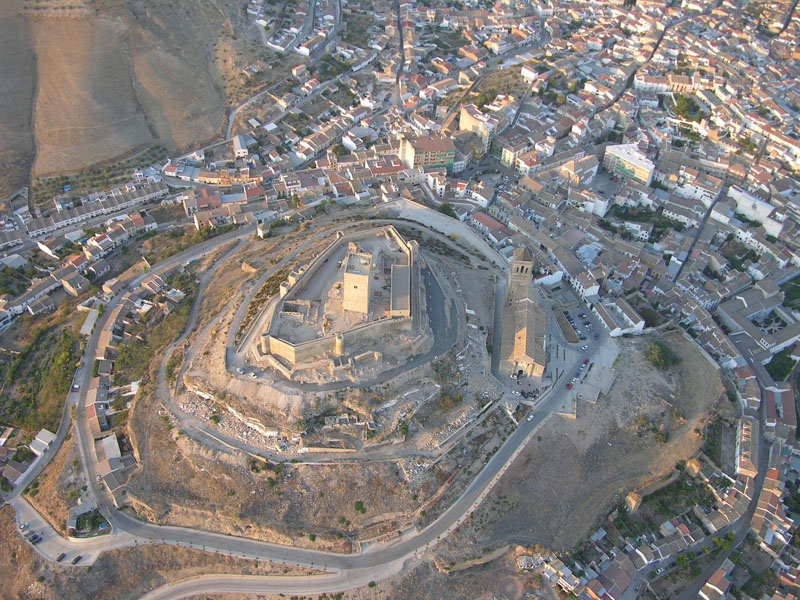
(606, 184)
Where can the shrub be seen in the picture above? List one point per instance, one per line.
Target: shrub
(662, 356)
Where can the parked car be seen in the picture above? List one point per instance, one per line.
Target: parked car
(597, 336)
(530, 417)
(60, 557)
(516, 393)
(76, 387)
(23, 527)
(77, 559)
(584, 347)
(569, 386)
(240, 370)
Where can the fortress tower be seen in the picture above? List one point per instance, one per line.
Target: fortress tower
(357, 276)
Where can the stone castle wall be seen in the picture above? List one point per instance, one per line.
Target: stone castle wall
(326, 346)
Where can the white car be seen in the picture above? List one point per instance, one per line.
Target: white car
(240, 370)
(530, 417)
(253, 375)
(23, 527)
(515, 392)
(584, 347)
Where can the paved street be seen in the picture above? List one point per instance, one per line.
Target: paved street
(380, 562)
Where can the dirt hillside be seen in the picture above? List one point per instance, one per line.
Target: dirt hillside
(17, 85)
(87, 86)
(573, 470)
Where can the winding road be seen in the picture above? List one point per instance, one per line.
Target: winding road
(346, 570)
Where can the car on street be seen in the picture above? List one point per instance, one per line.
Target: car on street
(60, 557)
(586, 362)
(530, 417)
(253, 375)
(240, 370)
(23, 527)
(584, 347)
(569, 386)
(76, 560)
(583, 338)
(597, 336)
(76, 387)
(516, 393)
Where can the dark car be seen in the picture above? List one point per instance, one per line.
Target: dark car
(60, 557)
(77, 559)
(569, 386)
(597, 336)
